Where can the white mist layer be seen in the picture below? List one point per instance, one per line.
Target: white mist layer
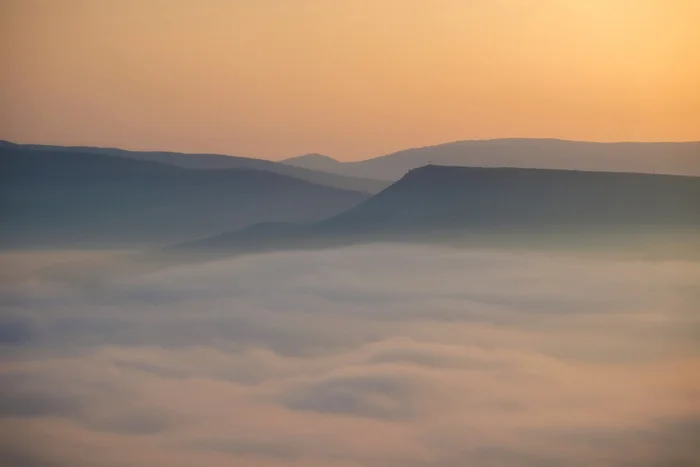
(364, 356)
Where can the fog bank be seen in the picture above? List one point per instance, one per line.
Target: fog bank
(380, 355)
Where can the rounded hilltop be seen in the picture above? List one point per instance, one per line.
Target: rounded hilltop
(313, 161)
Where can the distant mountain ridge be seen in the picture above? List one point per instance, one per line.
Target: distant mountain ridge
(373, 175)
(440, 200)
(575, 212)
(222, 162)
(315, 162)
(436, 196)
(56, 198)
(682, 158)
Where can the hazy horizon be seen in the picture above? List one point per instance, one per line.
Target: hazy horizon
(360, 159)
(349, 79)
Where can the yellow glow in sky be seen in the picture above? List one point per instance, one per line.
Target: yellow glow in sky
(349, 78)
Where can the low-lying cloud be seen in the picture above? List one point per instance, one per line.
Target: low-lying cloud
(381, 355)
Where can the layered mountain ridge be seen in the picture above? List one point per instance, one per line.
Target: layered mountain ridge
(84, 199)
(673, 158)
(435, 201)
(220, 162)
(436, 196)
(315, 162)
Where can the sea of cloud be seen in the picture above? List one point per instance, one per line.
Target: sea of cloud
(376, 356)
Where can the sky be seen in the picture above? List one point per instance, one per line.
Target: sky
(352, 79)
(369, 356)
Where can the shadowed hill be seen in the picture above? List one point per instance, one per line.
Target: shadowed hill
(76, 198)
(436, 202)
(436, 197)
(630, 215)
(222, 162)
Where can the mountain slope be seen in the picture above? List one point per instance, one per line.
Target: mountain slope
(442, 197)
(436, 202)
(629, 215)
(50, 198)
(220, 162)
(666, 158)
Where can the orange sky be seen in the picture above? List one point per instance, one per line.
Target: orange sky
(349, 78)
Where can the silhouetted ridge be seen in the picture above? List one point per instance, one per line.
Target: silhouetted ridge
(51, 198)
(314, 162)
(680, 158)
(311, 157)
(318, 176)
(437, 197)
(435, 203)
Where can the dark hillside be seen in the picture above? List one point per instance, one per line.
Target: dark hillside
(79, 198)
